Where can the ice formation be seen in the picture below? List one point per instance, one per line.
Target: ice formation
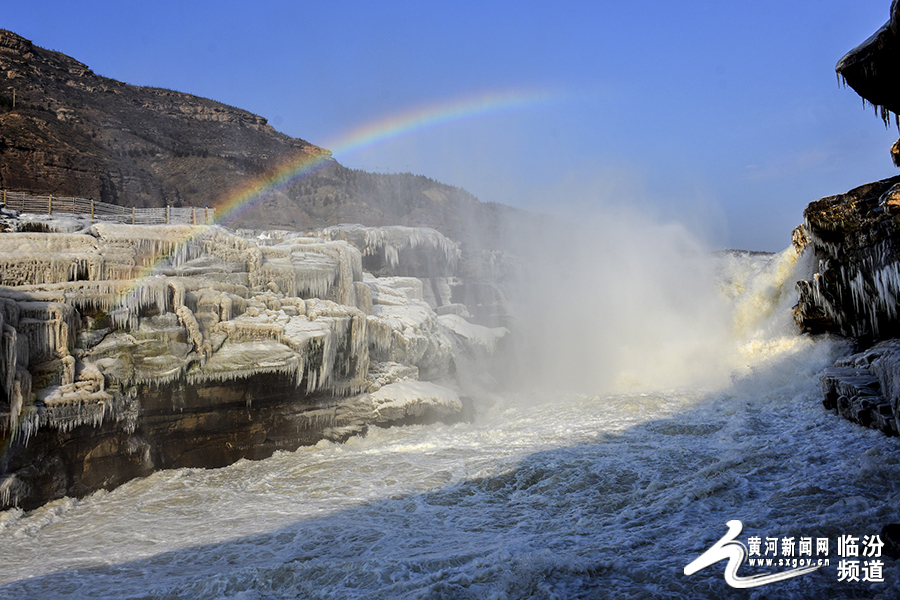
(405, 399)
(91, 318)
(861, 295)
(391, 241)
(403, 328)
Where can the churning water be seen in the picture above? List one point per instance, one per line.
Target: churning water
(542, 496)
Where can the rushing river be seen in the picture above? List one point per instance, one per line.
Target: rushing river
(543, 495)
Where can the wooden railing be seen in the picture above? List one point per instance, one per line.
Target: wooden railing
(103, 211)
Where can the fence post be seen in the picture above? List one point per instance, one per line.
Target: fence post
(50, 204)
(132, 215)
(92, 209)
(167, 214)
(207, 214)
(193, 217)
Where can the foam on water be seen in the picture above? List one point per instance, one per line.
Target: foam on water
(543, 495)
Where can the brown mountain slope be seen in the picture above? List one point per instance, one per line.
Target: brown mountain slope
(67, 131)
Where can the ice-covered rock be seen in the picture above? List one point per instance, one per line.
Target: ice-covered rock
(484, 337)
(872, 68)
(188, 345)
(403, 328)
(855, 287)
(398, 250)
(865, 387)
(413, 399)
(476, 357)
(411, 252)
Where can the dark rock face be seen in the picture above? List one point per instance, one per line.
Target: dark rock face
(71, 132)
(176, 426)
(856, 239)
(872, 69)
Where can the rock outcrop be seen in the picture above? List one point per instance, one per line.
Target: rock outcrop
(865, 387)
(67, 131)
(856, 240)
(855, 237)
(872, 69)
(127, 349)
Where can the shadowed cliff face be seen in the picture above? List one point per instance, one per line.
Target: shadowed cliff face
(872, 69)
(856, 286)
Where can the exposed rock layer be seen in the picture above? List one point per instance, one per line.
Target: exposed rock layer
(855, 292)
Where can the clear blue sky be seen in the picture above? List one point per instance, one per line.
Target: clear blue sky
(726, 115)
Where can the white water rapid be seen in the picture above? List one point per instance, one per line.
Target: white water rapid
(544, 495)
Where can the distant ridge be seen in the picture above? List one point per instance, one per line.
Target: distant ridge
(65, 130)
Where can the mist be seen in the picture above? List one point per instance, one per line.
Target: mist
(622, 302)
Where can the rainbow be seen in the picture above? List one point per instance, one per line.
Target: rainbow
(357, 139)
(363, 137)
(389, 128)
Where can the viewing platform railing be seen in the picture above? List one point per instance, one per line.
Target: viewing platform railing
(103, 211)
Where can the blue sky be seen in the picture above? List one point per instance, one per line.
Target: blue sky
(726, 116)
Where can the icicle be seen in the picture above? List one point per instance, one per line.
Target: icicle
(9, 359)
(187, 319)
(11, 490)
(394, 240)
(178, 292)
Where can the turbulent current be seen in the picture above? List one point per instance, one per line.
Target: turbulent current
(543, 495)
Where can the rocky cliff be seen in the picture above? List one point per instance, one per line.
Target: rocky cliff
(65, 130)
(855, 237)
(128, 349)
